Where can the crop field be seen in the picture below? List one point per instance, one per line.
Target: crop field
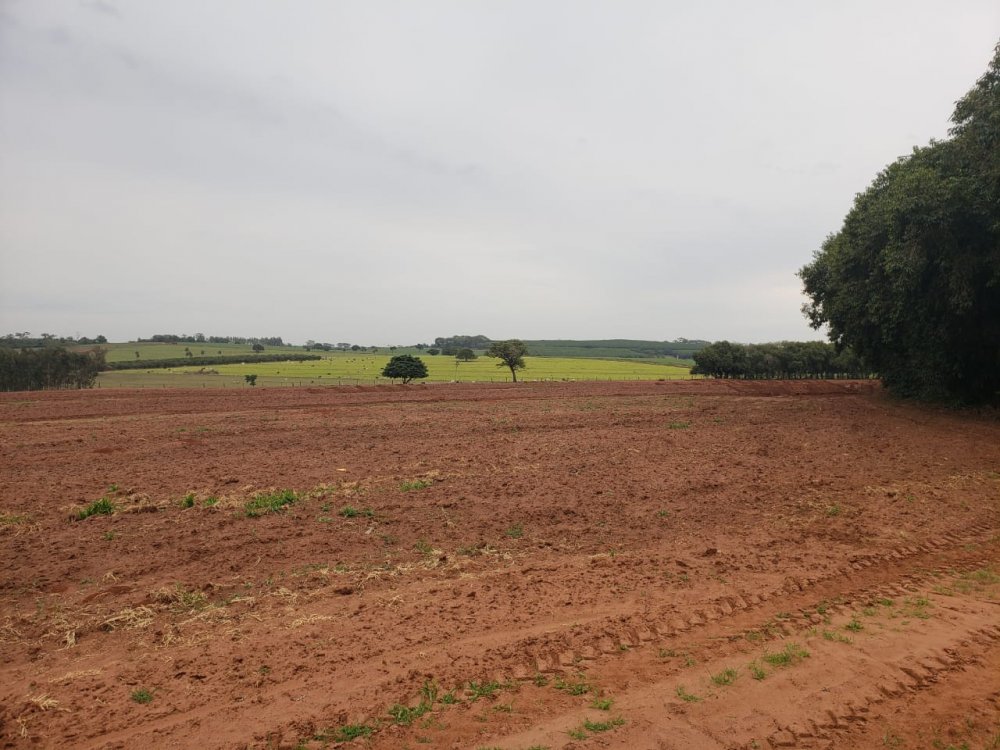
(366, 369)
(685, 564)
(127, 352)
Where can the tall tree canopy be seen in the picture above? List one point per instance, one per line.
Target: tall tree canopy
(911, 282)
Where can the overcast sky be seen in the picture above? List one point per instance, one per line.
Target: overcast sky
(388, 172)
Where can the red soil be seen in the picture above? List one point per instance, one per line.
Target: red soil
(623, 541)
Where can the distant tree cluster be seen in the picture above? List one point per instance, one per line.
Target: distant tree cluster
(25, 340)
(201, 338)
(785, 359)
(911, 282)
(48, 367)
(449, 346)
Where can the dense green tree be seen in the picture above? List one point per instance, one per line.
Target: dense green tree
(911, 282)
(510, 353)
(465, 355)
(405, 366)
(48, 367)
(251, 380)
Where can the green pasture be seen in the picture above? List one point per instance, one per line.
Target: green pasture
(126, 352)
(365, 369)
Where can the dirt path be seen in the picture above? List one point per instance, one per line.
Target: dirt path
(553, 565)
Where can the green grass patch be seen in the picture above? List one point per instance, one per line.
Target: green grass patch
(725, 677)
(349, 511)
(415, 484)
(603, 726)
(789, 655)
(269, 502)
(102, 507)
(479, 690)
(685, 696)
(580, 687)
(142, 696)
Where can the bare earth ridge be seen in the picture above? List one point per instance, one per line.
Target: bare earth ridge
(697, 564)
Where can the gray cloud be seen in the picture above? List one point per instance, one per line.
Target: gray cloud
(388, 172)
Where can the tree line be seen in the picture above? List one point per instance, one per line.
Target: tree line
(150, 364)
(911, 281)
(25, 340)
(784, 359)
(48, 367)
(201, 338)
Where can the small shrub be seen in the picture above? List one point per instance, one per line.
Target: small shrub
(602, 704)
(757, 671)
(515, 532)
(188, 500)
(142, 696)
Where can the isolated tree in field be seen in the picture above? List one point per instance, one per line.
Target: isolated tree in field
(251, 380)
(510, 353)
(434, 352)
(911, 282)
(465, 355)
(406, 367)
(258, 347)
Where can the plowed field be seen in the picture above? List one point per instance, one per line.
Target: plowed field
(627, 565)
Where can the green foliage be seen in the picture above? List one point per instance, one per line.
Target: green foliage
(405, 366)
(269, 502)
(784, 359)
(511, 354)
(251, 380)
(142, 696)
(465, 355)
(102, 507)
(483, 689)
(415, 484)
(48, 367)
(911, 282)
(603, 726)
(790, 654)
